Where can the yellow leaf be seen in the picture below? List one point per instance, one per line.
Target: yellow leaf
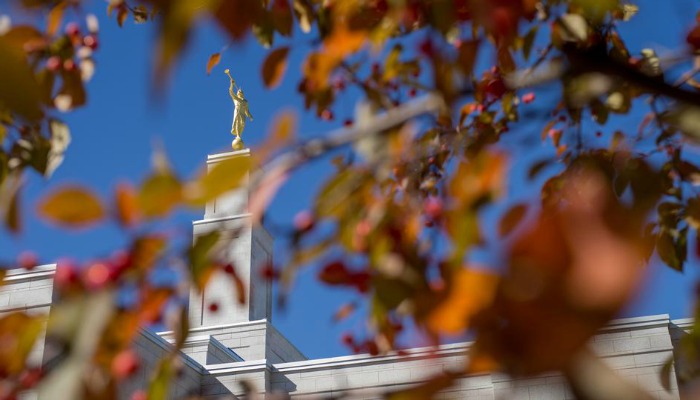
(274, 67)
(72, 206)
(214, 60)
(223, 177)
(19, 332)
(160, 193)
(470, 292)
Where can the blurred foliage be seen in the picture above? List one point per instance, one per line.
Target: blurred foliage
(404, 210)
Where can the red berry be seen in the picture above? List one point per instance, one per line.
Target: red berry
(412, 92)
(347, 339)
(363, 228)
(97, 275)
(495, 88)
(327, 115)
(528, 98)
(125, 364)
(53, 64)
(66, 274)
(229, 269)
(426, 48)
(72, 29)
(304, 221)
(433, 207)
(213, 307)
(27, 260)
(693, 38)
(268, 272)
(91, 42)
(372, 348)
(30, 377)
(348, 122)
(139, 395)
(69, 65)
(339, 84)
(376, 69)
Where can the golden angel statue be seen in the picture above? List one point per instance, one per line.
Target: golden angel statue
(240, 113)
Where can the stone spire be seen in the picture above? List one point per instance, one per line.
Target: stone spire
(248, 252)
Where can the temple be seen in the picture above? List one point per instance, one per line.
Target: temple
(237, 347)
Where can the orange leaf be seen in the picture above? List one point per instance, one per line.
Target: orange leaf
(54, 18)
(122, 14)
(511, 219)
(147, 250)
(126, 204)
(274, 67)
(470, 292)
(19, 332)
(214, 60)
(344, 311)
(72, 206)
(283, 131)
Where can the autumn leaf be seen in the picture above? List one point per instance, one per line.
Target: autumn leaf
(147, 250)
(344, 311)
(161, 382)
(274, 67)
(20, 332)
(20, 91)
(222, 177)
(55, 18)
(470, 292)
(511, 219)
(126, 204)
(159, 194)
(213, 62)
(72, 207)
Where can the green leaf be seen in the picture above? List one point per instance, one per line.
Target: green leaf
(528, 41)
(692, 213)
(666, 374)
(19, 90)
(160, 383)
(200, 258)
(672, 252)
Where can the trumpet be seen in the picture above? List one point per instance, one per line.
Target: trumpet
(228, 72)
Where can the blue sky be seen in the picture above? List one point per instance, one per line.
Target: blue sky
(113, 138)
